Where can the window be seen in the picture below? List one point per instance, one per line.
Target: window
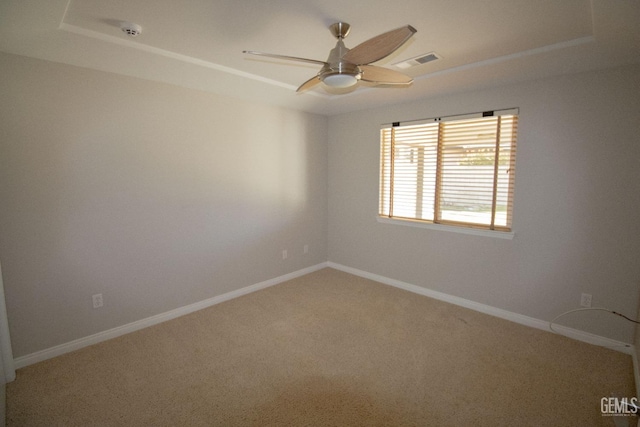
(453, 171)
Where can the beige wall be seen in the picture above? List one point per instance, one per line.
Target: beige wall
(158, 197)
(153, 195)
(577, 199)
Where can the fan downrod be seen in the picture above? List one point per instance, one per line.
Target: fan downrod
(340, 30)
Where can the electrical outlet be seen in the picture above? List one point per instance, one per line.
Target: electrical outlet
(97, 301)
(585, 300)
(305, 249)
(285, 255)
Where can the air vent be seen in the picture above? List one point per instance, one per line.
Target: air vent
(418, 60)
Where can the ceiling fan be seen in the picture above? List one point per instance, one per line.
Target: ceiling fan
(345, 67)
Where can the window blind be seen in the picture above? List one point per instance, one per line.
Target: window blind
(456, 170)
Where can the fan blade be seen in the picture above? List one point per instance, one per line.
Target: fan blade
(380, 46)
(309, 84)
(289, 58)
(371, 73)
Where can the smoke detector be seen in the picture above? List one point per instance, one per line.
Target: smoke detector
(131, 29)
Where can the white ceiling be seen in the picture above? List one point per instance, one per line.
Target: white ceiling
(199, 43)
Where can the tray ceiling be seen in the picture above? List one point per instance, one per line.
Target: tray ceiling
(199, 43)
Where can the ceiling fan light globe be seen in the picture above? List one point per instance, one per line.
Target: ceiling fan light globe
(340, 80)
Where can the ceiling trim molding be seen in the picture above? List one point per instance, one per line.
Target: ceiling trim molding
(517, 55)
(177, 56)
(535, 51)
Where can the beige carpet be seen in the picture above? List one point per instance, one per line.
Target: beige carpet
(326, 349)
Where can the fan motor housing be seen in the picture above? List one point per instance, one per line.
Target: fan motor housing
(341, 74)
(337, 72)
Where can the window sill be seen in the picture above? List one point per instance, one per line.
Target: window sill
(464, 230)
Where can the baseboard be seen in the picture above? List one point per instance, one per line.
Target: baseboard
(58, 350)
(493, 311)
